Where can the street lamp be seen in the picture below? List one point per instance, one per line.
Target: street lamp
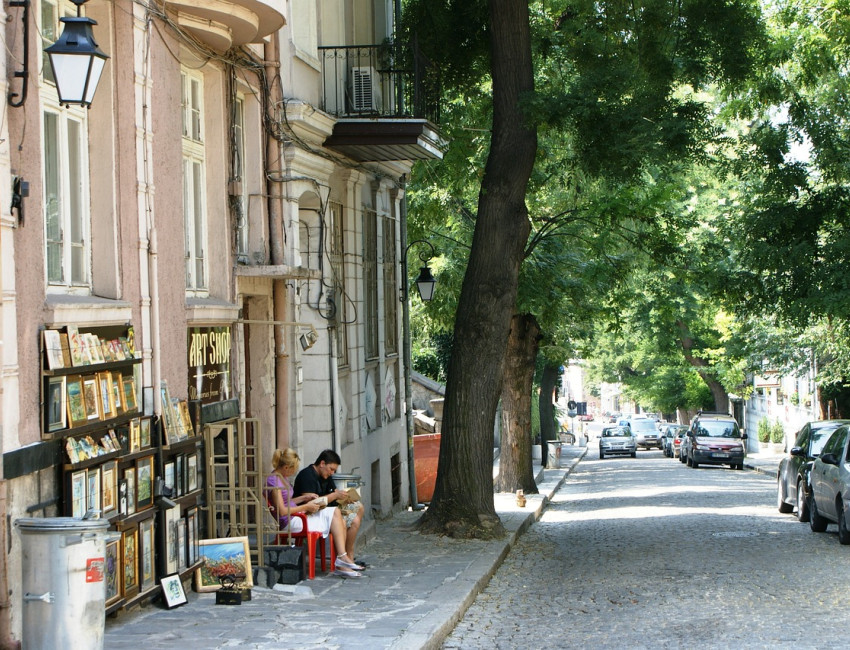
(76, 61)
(425, 283)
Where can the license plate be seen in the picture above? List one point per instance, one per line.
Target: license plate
(719, 455)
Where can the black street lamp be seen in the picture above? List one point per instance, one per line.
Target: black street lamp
(425, 283)
(76, 61)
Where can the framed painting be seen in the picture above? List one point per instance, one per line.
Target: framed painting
(145, 433)
(179, 476)
(117, 393)
(71, 449)
(75, 345)
(146, 554)
(53, 349)
(172, 591)
(79, 482)
(172, 516)
(135, 441)
(168, 476)
(76, 401)
(112, 562)
(129, 394)
(122, 496)
(130, 561)
(221, 557)
(171, 431)
(144, 482)
(181, 545)
(92, 399)
(186, 418)
(130, 478)
(109, 482)
(93, 489)
(192, 472)
(107, 397)
(57, 408)
(192, 535)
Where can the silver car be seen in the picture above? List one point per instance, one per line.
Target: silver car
(646, 433)
(617, 440)
(829, 478)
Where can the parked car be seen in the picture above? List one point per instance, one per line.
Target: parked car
(672, 440)
(829, 481)
(645, 432)
(617, 440)
(793, 476)
(714, 439)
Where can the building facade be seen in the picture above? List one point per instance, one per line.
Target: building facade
(233, 199)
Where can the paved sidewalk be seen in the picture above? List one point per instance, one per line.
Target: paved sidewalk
(416, 589)
(764, 462)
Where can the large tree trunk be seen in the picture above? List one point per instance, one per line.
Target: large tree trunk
(462, 504)
(721, 397)
(515, 466)
(548, 428)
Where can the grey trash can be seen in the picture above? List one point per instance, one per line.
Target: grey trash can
(63, 585)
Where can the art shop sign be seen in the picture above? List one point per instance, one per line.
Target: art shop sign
(209, 364)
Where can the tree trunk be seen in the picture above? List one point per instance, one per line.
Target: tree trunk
(721, 397)
(462, 505)
(548, 428)
(515, 464)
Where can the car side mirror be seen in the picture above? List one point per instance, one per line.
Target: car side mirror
(829, 459)
(797, 451)
(744, 436)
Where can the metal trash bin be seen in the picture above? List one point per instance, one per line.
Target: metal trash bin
(63, 585)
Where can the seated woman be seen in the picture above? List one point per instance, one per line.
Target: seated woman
(323, 520)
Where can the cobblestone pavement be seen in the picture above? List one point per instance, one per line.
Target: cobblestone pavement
(648, 553)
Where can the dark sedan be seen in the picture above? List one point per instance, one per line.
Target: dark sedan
(792, 479)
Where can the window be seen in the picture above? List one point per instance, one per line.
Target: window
(337, 257)
(370, 279)
(67, 220)
(390, 289)
(194, 210)
(239, 202)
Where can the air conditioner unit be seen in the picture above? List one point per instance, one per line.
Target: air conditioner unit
(365, 90)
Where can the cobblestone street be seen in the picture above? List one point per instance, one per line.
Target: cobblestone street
(648, 553)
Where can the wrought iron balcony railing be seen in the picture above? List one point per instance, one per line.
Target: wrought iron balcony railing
(379, 81)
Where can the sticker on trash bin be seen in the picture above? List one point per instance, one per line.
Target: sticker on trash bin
(94, 569)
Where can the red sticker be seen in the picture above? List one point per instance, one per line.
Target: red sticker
(94, 569)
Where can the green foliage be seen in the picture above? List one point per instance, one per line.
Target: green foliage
(777, 432)
(763, 430)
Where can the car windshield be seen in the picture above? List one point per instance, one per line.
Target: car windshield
(614, 432)
(717, 429)
(643, 425)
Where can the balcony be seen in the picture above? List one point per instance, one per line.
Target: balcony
(222, 24)
(386, 100)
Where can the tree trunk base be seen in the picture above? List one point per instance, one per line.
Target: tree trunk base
(489, 527)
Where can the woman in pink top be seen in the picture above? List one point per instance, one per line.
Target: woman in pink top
(319, 518)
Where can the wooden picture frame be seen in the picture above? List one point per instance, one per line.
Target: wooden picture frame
(186, 418)
(179, 474)
(93, 489)
(220, 557)
(130, 561)
(79, 483)
(75, 346)
(172, 591)
(144, 483)
(181, 544)
(56, 401)
(113, 571)
(91, 391)
(109, 482)
(135, 442)
(168, 477)
(147, 566)
(53, 349)
(122, 497)
(118, 393)
(129, 394)
(170, 426)
(76, 401)
(130, 478)
(106, 395)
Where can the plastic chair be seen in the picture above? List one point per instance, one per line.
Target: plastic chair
(311, 536)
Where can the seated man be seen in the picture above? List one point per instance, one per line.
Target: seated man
(318, 479)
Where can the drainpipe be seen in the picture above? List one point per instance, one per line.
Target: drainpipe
(276, 253)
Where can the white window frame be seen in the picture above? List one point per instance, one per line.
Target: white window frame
(65, 174)
(194, 184)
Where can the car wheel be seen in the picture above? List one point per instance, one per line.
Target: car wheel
(802, 502)
(784, 508)
(816, 522)
(694, 464)
(634, 454)
(601, 454)
(843, 533)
